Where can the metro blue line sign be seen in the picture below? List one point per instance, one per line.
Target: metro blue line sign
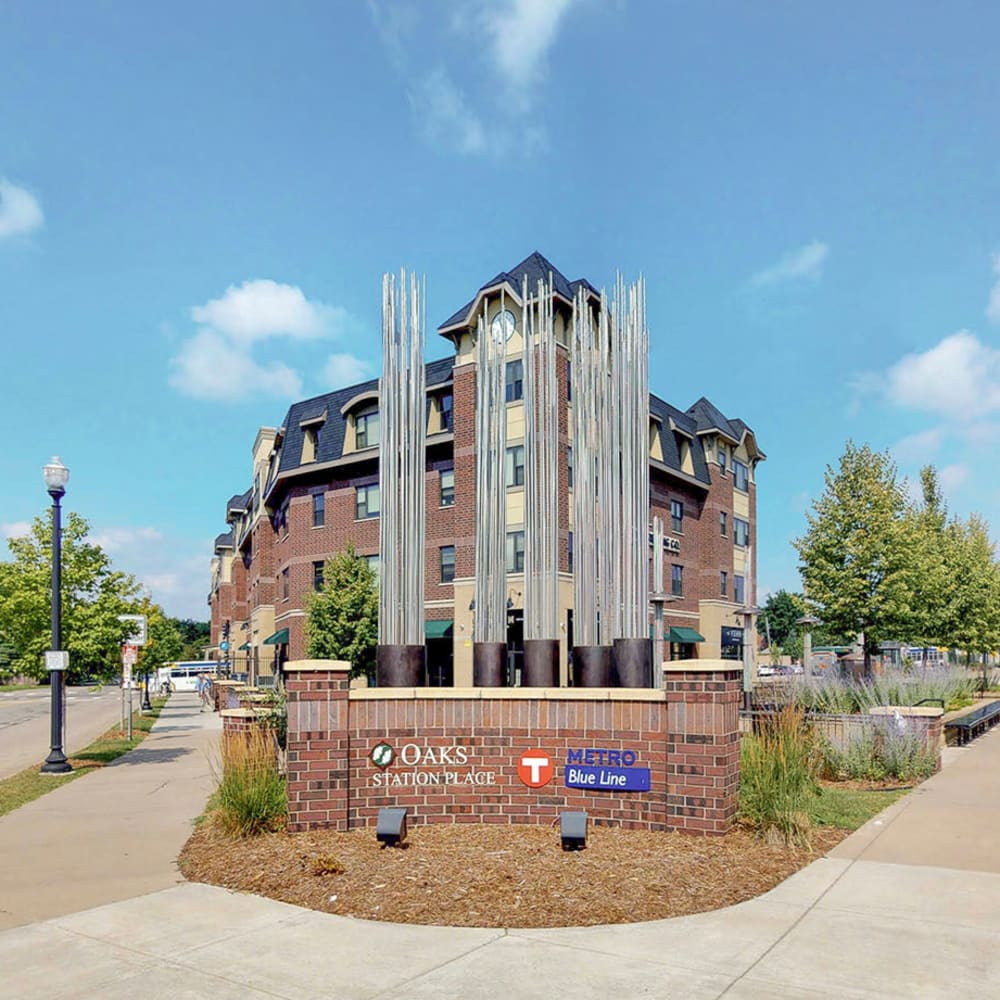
(599, 770)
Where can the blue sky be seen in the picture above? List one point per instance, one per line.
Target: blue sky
(812, 191)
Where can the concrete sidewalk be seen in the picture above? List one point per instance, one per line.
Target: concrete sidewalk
(886, 917)
(112, 834)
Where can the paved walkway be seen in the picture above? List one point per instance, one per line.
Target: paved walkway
(890, 914)
(112, 834)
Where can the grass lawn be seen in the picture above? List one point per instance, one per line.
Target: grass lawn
(4, 688)
(849, 808)
(28, 785)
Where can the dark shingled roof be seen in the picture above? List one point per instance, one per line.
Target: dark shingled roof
(666, 413)
(224, 541)
(238, 503)
(535, 268)
(708, 418)
(331, 435)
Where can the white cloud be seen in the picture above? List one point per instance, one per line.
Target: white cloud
(218, 361)
(342, 370)
(919, 447)
(951, 477)
(15, 529)
(522, 32)
(959, 378)
(993, 306)
(115, 540)
(20, 212)
(444, 114)
(260, 309)
(209, 366)
(806, 263)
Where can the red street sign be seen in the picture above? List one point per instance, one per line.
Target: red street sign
(535, 768)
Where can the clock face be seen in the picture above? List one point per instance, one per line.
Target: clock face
(503, 324)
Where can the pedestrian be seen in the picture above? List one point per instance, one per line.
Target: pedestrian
(203, 690)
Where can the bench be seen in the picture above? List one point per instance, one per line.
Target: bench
(970, 725)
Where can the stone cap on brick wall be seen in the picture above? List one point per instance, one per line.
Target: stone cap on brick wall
(685, 666)
(925, 711)
(304, 666)
(509, 694)
(239, 713)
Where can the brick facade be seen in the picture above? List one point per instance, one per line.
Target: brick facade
(469, 744)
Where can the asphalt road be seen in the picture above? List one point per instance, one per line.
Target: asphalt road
(24, 723)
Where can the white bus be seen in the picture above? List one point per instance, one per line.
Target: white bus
(183, 675)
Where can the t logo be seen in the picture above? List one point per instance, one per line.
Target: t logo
(535, 768)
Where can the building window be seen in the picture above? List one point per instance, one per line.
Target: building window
(515, 551)
(677, 580)
(569, 467)
(367, 502)
(447, 563)
(741, 532)
(739, 590)
(569, 551)
(676, 516)
(515, 465)
(569, 381)
(722, 459)
(723, 523)
(366, 428)
(319, 510)
(515, 380)
(374, 564)
(447, 412)
(318, 575)
(447, 487)
(723, 580)
(741, 476)
(284, 584)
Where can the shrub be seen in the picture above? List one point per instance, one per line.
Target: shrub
(779, 768)
(251, 797)
(839, 695)
(883, 749)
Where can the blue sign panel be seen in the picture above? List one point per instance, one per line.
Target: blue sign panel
(607, 779)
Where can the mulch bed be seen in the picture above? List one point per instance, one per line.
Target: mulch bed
(499, 876)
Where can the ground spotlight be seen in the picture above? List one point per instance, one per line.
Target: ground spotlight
(573, 829)
(391, 828)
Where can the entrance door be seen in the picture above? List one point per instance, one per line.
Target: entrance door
(515, 647)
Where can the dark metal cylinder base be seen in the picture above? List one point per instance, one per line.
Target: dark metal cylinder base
(400, 666)
(489, 664)
(592, 666)
(541, 663)
(632, 663)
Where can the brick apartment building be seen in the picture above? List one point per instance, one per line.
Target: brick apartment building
(314, 488)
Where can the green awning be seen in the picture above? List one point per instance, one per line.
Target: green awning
(280, 638)
(245, 645)
(685, 635)
(440, 629)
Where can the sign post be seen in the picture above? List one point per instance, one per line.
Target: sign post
(129, 653)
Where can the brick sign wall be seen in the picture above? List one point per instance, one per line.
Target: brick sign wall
(656, 760)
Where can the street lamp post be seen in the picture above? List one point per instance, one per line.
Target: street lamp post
(56, 477)
(808, 622)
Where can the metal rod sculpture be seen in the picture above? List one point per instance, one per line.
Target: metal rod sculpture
(631, 414)
(588, 375)
(403, 422)
(541, 427)
(658, 594)
(608, 482)
(490, 623)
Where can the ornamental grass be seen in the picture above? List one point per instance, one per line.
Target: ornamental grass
(780, 765)
(251, 798)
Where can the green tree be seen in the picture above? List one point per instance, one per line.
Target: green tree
(781, 611)
(926, 524)
(93, 596)
(195, 636)
(973, 613)
(164, 643)
(856, 559)
(342, 621)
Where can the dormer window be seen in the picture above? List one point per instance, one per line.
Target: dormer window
(311, 429)
(366, 428)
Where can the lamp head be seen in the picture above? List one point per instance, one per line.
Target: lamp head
(56, 476)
